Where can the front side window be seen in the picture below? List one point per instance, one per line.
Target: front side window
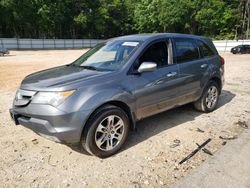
(157, 53)
(186, 50)
(107, 56)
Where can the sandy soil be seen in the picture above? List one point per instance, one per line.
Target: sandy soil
(150, 157)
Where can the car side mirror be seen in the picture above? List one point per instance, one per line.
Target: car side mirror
(147, 67)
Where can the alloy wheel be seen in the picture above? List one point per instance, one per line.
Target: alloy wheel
(109, 132)
(212, 97)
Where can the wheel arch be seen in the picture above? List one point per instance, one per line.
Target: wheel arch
(127, 109)
(117, 103)
(217, 80)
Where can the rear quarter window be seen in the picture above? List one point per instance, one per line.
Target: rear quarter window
(185, 50)
(205, 50)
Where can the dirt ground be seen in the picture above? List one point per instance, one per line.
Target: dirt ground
(151, 155)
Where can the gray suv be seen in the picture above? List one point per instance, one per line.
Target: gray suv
(98, 98)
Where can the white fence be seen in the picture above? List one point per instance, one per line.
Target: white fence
(226, 45)
(23, 44)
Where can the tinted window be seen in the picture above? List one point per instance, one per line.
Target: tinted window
(157, 53)
(186, 50)
(205, 50)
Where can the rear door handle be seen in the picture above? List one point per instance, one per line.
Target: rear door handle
(171, 74)
(203, 65)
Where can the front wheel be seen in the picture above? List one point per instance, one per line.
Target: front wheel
(106, 131)
(209, 99)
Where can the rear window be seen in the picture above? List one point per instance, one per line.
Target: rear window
(186, 50)
(205, 50)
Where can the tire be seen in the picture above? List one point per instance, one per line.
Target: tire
(209, 99)
(106, 131)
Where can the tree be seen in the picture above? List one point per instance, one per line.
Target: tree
(214, 18)
(110, 18)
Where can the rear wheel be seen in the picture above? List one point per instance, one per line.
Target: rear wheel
(106, 131)
(209, 98)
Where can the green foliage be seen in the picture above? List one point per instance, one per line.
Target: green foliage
(110, 18)
(81, 20)
(214, 18)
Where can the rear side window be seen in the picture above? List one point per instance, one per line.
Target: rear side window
(205, 49)
(186, 50)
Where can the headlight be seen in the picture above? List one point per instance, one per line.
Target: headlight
(52, 98)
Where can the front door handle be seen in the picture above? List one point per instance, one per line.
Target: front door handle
(203, 65)
(171, 74)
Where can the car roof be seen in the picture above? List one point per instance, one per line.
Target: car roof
(144, 37)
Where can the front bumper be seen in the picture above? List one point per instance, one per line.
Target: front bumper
(50, 122)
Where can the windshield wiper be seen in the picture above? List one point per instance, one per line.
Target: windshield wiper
(83, 66)
(72, 65)
(89, 67)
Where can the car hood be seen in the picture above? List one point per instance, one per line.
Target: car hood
(58, 77)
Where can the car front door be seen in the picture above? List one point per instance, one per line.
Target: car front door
(155, 91)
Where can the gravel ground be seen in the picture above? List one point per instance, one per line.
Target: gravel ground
(215, 171)
(149, 158)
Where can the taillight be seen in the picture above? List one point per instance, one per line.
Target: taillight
(222, 60)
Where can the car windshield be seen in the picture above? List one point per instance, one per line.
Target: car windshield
(107, 56)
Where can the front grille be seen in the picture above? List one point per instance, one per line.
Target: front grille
(23, 97)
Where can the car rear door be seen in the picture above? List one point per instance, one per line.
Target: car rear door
(193, 68)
